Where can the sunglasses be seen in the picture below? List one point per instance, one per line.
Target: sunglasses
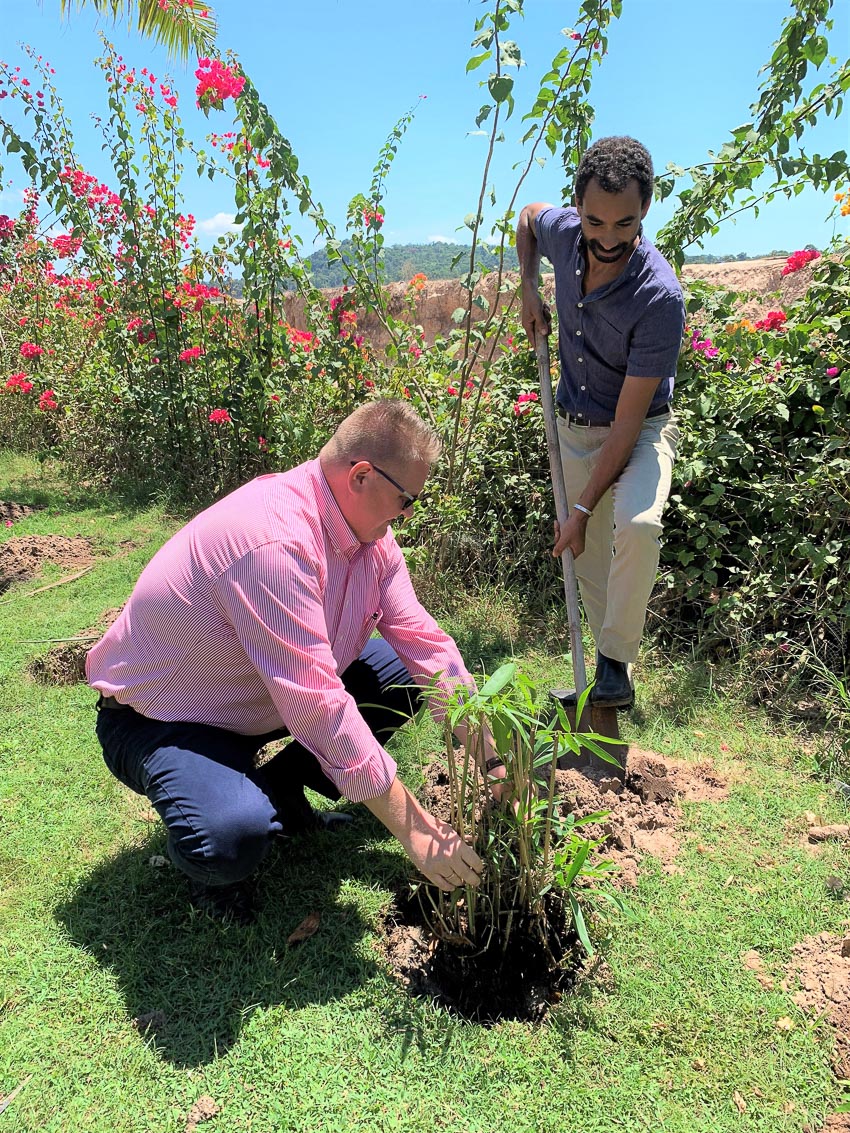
(408, 497)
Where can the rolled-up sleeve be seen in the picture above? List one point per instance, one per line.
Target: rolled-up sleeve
(428, 652)
(272, 598)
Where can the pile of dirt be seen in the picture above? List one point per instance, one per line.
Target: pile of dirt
(643, 816)
(821, 966)
(643, 811)
(65, 662)
(13, 513)
(21, 558)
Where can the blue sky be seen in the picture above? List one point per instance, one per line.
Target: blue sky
(679, 76)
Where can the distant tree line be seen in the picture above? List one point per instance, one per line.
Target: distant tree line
(446, 261)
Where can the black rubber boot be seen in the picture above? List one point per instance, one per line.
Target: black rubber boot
(612, 687)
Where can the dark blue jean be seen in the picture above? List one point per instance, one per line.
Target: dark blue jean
(219, 810)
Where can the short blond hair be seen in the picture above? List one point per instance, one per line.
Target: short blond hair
(388, 430)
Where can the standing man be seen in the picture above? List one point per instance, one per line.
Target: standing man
(255, 622)
(620, 322)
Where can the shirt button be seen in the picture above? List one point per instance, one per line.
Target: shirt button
(580, 358)
(580, 304)
(578, 271)
(584, 387)
(578, 332)
(579, 415)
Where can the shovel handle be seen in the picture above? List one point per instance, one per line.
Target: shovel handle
(562, 508)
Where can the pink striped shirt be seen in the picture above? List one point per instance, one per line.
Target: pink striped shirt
(247, 616)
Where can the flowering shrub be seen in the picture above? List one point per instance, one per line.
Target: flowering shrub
(798, 260)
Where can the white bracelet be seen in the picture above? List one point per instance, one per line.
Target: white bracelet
(584, 510)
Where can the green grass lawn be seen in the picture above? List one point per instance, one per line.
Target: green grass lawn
(320, 1036)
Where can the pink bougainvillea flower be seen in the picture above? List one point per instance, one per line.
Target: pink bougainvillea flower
(48, 400)
(31, 350)
(832, 372)
(190, 354)
(220, 417)
(216, 82)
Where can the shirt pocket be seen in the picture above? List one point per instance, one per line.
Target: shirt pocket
(611, 344)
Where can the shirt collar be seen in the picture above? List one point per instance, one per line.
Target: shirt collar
(342, 538)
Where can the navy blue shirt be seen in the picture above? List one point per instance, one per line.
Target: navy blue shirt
(632, 325)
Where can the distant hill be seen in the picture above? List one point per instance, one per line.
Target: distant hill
(403, 261)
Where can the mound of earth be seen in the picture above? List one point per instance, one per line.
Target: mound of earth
(821, 966)
(22, 557)
(12, 512)
(643, 816)
(65, 663)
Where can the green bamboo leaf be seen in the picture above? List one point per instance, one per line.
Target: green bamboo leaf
(581, 927)
(502, 676)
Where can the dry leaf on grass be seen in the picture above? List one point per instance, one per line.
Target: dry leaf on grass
(753, 962)
(305, 930)
(785, 1024)
(740, 1104)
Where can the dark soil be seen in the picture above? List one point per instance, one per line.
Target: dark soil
(643, 818)
(21, 558)
(489, 986)
(65, 662)
(12, 513)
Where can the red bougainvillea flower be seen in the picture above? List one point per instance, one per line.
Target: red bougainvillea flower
(799, 259)
(263, 444)
(19, 382)
(373, 219)
(190, 354)
(216, 82)
(48, 400)
(134, 324)
(31, 350)
(66, 245)
(522, 405)
(774, 320)
(7, 227)
(220, 417)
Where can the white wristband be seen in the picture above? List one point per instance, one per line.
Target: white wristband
(584, 510)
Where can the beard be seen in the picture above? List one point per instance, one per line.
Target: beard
(607, 255)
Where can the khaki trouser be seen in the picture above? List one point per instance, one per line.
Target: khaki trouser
(618, 568)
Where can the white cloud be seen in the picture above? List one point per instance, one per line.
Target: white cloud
(219, 224)
(440, 240)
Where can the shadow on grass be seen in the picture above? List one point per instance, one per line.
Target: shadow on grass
(190, 983)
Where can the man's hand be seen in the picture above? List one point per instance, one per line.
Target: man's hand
(433, 847)
(571, 535)
(536, 316)
(442, 856)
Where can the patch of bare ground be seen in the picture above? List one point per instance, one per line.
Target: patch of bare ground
(820, 965)
(644, 813)
(21, 558)
(643, 817)
(65, 662)
(11, 512)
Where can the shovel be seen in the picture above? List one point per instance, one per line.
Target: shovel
(594, 719)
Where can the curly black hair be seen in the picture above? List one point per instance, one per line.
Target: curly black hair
(613, 162)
